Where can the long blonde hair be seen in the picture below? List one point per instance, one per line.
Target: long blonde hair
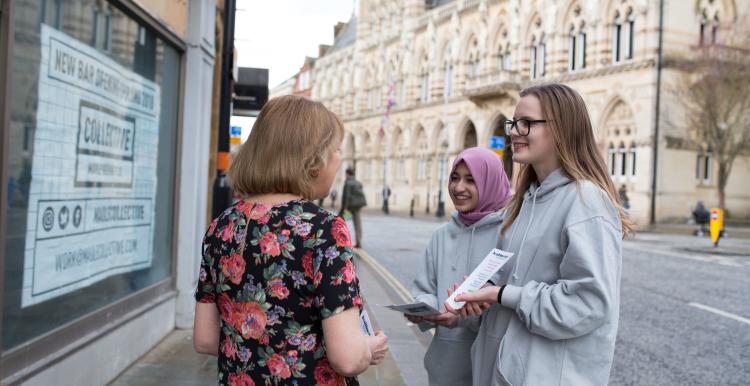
(289, 144)
(570, 125)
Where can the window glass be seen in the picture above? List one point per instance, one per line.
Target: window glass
(93, 127)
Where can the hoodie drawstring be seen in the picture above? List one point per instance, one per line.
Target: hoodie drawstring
(525, 233)
(471, 246)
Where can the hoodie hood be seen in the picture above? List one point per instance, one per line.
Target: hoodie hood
(492, 219)
(553, 181)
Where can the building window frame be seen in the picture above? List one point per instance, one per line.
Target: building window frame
(704, 168)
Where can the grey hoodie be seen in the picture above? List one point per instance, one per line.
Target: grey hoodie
(558, 320)
(453, 252)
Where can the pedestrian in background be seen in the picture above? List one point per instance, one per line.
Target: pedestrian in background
(702, 217)
(386, 196)
(624, 199)
(556, 305)
(333, 195)
(278, 298)
(353, 200)
(479, 188)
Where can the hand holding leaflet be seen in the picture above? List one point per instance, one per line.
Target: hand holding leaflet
(365, 323)
(416, 309)
(483, 272)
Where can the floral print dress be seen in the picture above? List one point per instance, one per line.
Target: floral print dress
(295, 270)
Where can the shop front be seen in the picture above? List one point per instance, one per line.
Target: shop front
(93, 115)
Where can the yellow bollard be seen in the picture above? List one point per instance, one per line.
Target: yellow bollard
(716, 225)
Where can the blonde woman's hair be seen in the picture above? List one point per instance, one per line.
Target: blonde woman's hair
(290, 143)
(570, 125)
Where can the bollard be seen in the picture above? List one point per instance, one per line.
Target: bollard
(716, 225)
(411, 208)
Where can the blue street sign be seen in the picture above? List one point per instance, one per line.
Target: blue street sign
(235, 131)
(497, 142)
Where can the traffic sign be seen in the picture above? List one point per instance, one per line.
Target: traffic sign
(235, 131)
(497, 142)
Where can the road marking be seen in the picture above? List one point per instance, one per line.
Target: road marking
(720, 312)
(387, 276)
(397, 286)
(709, 258)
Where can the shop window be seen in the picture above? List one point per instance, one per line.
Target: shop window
(93, 160)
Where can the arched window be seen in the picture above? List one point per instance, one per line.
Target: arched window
(537, 58)
(623, 30)
(537, 50)
(470, 136)
(577, 48)
(709, 30)
(576, 40)
(473, 66)
(447, 72)
(633, 150)
(424, 95)
(504, 59)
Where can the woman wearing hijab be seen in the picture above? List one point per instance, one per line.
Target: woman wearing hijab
(478, 187)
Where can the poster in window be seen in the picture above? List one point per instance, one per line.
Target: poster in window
(93, 183)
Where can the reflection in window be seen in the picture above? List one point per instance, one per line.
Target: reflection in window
(102, 38)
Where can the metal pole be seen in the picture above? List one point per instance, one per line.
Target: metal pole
(440, 212)
(222, 194)
(659, 64)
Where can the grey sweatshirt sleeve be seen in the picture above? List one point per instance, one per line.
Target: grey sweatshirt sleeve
(586, 295)
(424, 288)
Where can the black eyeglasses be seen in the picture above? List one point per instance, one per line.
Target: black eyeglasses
(522, 126)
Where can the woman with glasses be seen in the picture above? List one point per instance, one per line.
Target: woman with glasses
(555, 305)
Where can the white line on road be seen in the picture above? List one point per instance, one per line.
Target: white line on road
(720, 312)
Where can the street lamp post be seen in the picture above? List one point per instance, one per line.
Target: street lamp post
(440, 212)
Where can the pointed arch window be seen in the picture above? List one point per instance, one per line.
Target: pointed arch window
(537, 58)
(448, 80)
(623, 30)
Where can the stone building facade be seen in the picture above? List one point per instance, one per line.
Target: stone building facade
(453, 70)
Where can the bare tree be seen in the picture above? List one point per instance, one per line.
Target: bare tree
(715, 93)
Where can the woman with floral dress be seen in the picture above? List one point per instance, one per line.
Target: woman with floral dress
(278, 299)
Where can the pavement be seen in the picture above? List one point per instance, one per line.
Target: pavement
(684, 314)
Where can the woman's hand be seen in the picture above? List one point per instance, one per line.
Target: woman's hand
(414, 318)
(446, 319)
(378, 344)
(476, 303)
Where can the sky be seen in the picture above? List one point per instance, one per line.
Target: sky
(278, 34)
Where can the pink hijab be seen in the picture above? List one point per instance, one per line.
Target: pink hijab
(492, 183)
